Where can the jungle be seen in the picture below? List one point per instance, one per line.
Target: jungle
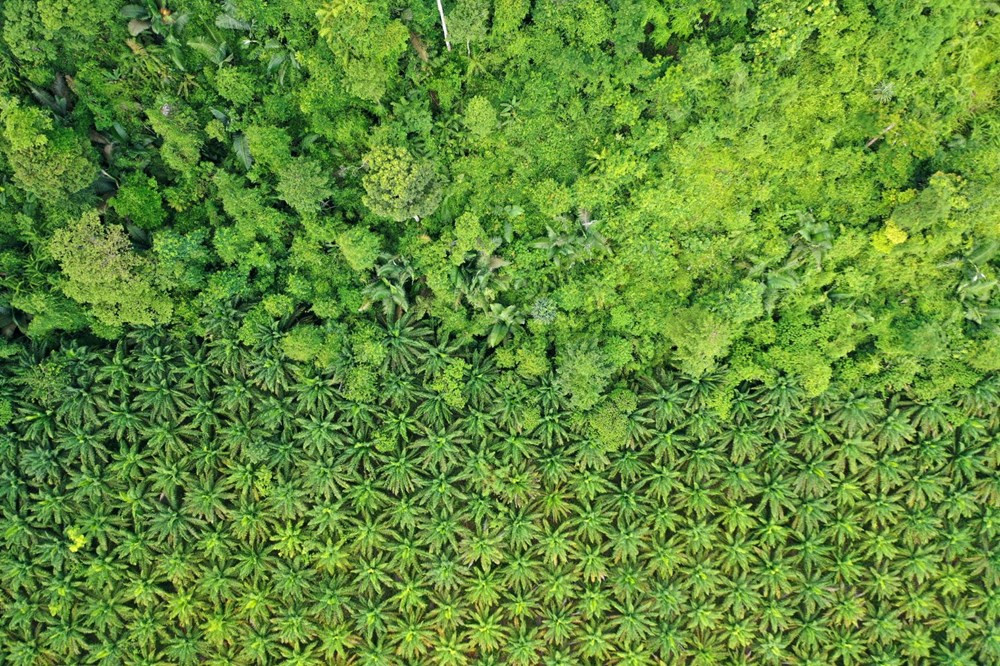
(482, 332)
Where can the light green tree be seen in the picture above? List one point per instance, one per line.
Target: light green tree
(467, 22)
(480, 117)
(103, 271)
(360, 247)
(399, 186)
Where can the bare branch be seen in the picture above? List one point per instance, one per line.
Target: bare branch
(880, 135)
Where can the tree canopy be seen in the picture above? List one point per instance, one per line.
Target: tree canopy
(327, 338)
(780, 190)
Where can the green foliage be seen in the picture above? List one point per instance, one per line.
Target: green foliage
(6, 412)
(23, 36)
(103, 271)
(770, 189)
(468, 21)
(360, 248)
(303, 343)
(689, 356)
(138, 200)
(303, 185)
(701, 337)
(584, 372)
(508, 15)
(79, 20)
(52, 163)
(469, 237)
(181, 137)
(181, 259)
(480, 117)
(442, 506)
(450, 382)
(235, 85)
(399, 186)
(365, 42)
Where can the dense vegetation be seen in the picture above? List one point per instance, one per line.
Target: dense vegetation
(499, 331)
(801, 190)
(168, 501)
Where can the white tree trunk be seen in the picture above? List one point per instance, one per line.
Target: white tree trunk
(444, 26)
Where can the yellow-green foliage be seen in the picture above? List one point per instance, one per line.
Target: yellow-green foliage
(49, 162)
(615, 332)
(103, 272)
(770, 188)
(399, 186)
(360, 248)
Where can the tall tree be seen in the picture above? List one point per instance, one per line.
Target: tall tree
(103, 271)
(400, 186)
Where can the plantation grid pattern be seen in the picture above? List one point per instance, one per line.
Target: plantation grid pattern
(172, 502)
